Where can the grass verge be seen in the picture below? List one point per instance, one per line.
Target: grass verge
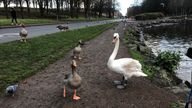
(86, 19)
(7, 22)
(20, 60)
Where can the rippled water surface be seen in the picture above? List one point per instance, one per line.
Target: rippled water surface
(176, 38)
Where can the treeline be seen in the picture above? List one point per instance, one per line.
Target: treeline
(69, 8)
(168, 7)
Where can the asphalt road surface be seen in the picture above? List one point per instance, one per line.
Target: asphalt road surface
(11, 34)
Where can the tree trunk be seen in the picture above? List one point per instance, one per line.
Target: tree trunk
(5, 7)
(109, 12)
(100, 8)
(109, 8)
(47, 6)
(21, 8)
(41, 8)
(77, 8)
(87, 8)
(71, 8)
(28, 7)
(58, 8)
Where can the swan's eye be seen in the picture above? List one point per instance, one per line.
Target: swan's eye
(114, 37)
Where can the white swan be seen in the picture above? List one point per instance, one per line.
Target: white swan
(128, 67)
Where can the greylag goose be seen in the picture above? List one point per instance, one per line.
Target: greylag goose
(23, 33)
(77, 50)
(73, 80)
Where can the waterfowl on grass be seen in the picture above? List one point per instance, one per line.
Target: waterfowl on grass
(62, 27)
(128, 67)
(23, 33)
(77, 50)
(73, 80)
(81, 42)
(10, 90)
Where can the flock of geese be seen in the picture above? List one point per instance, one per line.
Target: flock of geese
(127, 67)
(73, 80)
(23, 32)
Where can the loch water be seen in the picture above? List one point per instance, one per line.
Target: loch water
(176, 38)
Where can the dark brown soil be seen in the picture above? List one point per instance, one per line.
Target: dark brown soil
(44, 90)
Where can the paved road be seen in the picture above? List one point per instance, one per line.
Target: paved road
(11, 34)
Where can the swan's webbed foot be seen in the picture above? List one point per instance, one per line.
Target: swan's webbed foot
(124, 83)
(120, 86)
(117, 82)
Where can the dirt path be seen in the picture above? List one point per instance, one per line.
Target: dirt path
(44, 90)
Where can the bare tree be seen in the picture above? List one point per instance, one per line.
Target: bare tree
(47, 6)
(41, 7)
(72, 8)
(188, 6)
(77, 7)
(28, 2)
(21, 7)
(101, 5)
(87, 8)
(58, 8)
(6, 3)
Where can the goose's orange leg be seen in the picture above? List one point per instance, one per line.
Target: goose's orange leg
(75, 97)
(64, 92)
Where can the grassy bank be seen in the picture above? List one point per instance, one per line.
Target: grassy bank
(85, 19)
(149, 16)
(20, 60)
(7, 22)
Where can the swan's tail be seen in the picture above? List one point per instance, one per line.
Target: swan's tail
(140, 74)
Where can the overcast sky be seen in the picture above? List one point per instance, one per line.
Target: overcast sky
(124, 4)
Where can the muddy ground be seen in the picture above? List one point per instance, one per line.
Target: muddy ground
(44, 90)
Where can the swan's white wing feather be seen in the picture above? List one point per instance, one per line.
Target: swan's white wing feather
(127, 66)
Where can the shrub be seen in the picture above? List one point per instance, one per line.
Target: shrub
(168, 61)
(148, 16)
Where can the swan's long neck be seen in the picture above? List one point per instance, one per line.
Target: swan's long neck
(114, 53)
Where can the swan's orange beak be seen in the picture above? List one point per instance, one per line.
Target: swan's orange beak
(114, 40)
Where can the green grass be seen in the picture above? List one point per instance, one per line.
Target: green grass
(20, 60)
(176, 104)
(86, 19)
(6, 22)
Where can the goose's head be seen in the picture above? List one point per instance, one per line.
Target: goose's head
(22, 25)
(115, 37)
(73, 65)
